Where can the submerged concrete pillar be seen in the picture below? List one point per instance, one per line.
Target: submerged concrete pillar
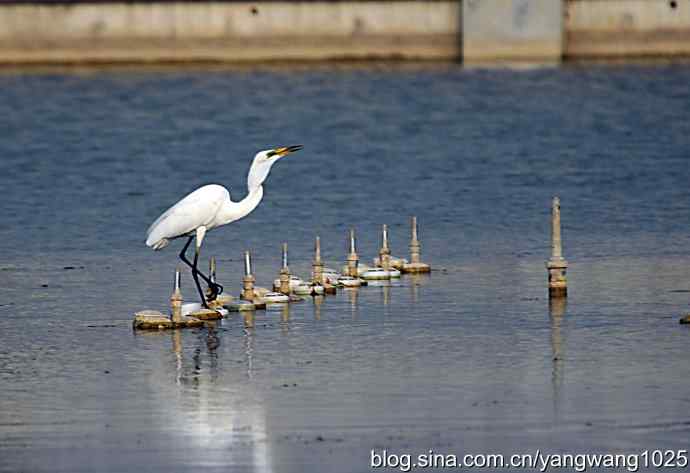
(317, 264)
(352, 258)
(212, 269)
(285, 272)
(211, 275)
(385, 252)
(176, 299)
(557, 265)
(415, 265)
(512, 30)
(248, 279)
(415, 247)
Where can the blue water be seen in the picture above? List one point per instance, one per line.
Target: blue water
(471, 359)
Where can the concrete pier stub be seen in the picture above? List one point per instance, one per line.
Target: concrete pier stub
(248, 279)
(557, 265)
(385, 252)
(211, 276)
(155, 320)
(415, 247)
(219, 300)
(212, 269)
(317, 264)
(352, 258)
(415, 265)
(285, 272)
(176, 299)
(512, 30)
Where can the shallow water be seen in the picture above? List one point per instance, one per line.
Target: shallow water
(471, 359)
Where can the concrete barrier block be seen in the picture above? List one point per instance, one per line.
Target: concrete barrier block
(512, 30)
(627, 28)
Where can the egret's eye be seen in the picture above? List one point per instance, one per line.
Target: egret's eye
(269, 154)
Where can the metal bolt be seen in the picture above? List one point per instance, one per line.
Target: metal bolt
(176, 298)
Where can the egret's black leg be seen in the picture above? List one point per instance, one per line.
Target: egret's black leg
(214, 287)
(195, 275)
(183, 257)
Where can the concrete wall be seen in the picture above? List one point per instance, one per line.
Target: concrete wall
(228, 31)
(479, 30)
(512, 30)
(627, 28)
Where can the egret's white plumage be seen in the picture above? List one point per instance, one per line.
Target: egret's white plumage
(210, 206)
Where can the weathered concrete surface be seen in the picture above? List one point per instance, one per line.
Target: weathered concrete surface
(220, 301)
(415, 268)
(206, 314)
(627, 28)
(238, 31)
(512, 30)
(155, 320)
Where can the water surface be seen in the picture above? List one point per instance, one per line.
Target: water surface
(471, 359)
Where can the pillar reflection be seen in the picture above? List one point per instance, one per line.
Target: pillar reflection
(177, 350)
(557, 310)
(285, 318)
(318, 301)
(415, 281)
(353, 296)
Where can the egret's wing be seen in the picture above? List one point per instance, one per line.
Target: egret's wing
(195, 210)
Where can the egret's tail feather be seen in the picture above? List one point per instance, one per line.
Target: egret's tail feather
(158, 245)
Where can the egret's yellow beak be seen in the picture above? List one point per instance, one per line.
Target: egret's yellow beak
(285, 150)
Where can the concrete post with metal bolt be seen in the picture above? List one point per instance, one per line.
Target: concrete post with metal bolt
(415, 247)
(352, 258)
(385, 252)
(415, 265)
(248, 279)
(285, 272)
(557, 265)
(176, 299)
(212, 269)
(317, 264)
(211, 275)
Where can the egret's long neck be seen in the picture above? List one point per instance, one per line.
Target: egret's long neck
(251, 200)
(258, 173)
(232, 211)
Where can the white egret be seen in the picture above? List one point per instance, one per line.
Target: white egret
(210, 207)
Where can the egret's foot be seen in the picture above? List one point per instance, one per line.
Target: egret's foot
(213, 291)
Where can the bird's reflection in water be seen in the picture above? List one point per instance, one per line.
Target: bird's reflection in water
(212, 344)
(318, 300)
(212, 340)
(557, 310)
(225, 430)
(208, 337)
